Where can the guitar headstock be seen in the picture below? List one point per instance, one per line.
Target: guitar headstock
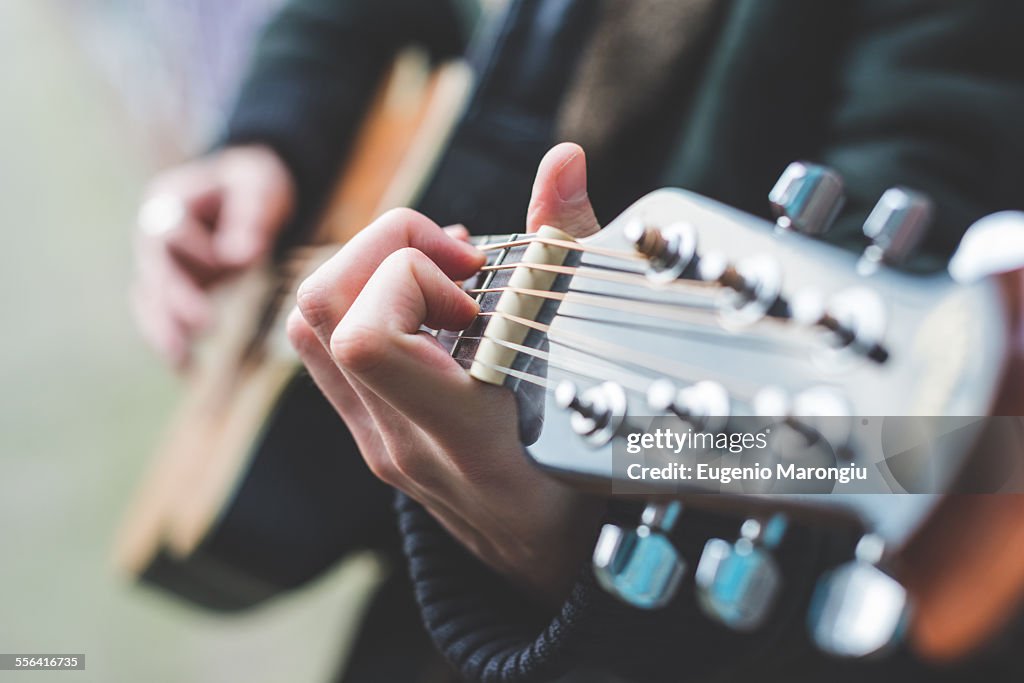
(686, 317)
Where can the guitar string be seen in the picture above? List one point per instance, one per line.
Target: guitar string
(655, 309)
(537, 380)
(632, 383)
(627, 305)
(616, 354)
(752, 341)
(566, 244)
(509, 372)
(592, 297)
(694, 315)
(617, 276)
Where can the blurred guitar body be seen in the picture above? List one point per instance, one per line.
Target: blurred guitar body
(241, 500)
(215, 519)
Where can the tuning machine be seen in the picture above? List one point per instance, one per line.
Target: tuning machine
(754, 286)
(642, 566)
(807, 198)
(670, 251)
(854, 319)
(705, 405)
(815, 413)
(737, 583)
(857, 609)
(895, 226)
(597, 413)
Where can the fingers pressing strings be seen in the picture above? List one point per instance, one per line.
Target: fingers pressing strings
(378, 339)
(325, 297)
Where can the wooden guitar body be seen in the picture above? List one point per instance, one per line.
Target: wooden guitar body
(683, 314)
(207, 522)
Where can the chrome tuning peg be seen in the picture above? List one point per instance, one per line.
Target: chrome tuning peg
(755, 284)
(705, 405)
(737, 583)
(807, 198)
(818, 412)
(670, 251)
(857, 609)
(895, 226)
(855, 319)
(597, 413)
(641, 566)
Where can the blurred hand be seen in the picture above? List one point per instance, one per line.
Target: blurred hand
(198, 223)
(421, 422)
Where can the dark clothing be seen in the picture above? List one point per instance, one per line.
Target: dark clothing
(923, 93)
(316, 69)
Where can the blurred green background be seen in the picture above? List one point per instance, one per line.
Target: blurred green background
(90, 108)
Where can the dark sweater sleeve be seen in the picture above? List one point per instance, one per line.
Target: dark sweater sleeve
(491, 634)
(930, 96)
(315, 70)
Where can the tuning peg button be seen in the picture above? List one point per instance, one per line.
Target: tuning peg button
(705, 405)
(857, 609)
(896, 226)
(807, 198)
(819, 412)
(597, 413)
(670, 251)
(737, 583)
(641, 566)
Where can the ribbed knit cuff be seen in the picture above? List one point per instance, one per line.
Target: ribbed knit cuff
(491, 634)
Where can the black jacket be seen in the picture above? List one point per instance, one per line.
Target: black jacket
(923, 93)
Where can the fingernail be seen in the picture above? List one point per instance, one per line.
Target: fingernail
(571, 183)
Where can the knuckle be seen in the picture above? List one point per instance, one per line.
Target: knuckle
(406, 258)
(402, 223)
(382, 467)
(356, 348)
(402, 218)
(408, 464)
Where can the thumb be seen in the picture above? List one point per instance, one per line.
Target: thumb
(560, 193)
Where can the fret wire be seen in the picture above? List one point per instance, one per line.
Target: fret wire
(505, 245)
(499, 257)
